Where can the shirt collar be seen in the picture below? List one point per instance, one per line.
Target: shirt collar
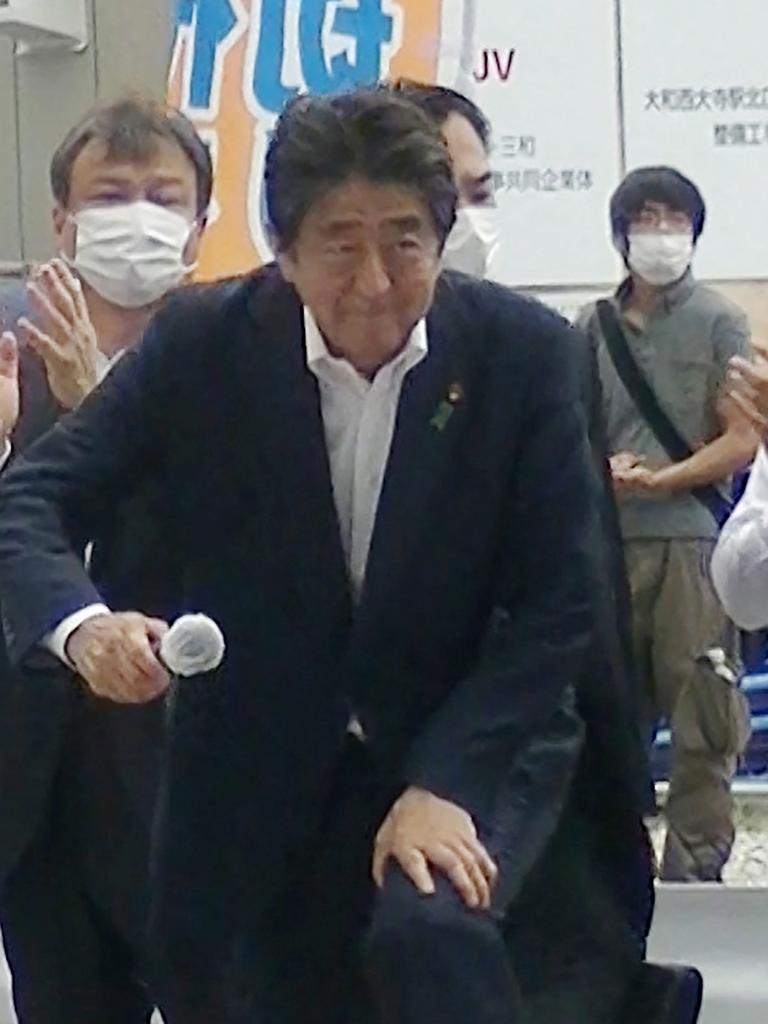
(318, 356)
(671, 296)
(104, 363)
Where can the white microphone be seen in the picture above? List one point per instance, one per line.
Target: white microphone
(193, 645)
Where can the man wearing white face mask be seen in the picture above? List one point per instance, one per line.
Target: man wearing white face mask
(474, 239)
(664, 342)
(132, 184)
(127, 228)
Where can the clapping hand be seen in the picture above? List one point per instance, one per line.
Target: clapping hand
(63, 335)
(9, 386)
(747, 387)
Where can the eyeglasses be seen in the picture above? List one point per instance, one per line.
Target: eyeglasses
(662, 220)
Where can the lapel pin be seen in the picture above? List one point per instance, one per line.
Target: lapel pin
(445, 409)
(455, 393)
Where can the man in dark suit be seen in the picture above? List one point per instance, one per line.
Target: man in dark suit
(390, 510)
(77, 774)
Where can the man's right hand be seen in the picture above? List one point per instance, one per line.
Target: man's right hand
(9, 386)
(115, 655)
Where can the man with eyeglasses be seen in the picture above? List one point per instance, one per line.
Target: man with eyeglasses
(664, 342)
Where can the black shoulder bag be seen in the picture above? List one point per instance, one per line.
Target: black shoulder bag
(642, 394)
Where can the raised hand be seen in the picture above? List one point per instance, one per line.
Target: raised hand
(9, 386)
(63, 335)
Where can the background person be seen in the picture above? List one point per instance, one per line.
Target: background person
(131, 184)
(680, 336)
(474, 238)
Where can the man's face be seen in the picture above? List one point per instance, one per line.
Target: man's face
(365, 263)
(167, 178)
(659, 245)
(471, 166)
(474, 240)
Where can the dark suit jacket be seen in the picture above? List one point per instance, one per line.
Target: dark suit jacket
(617, 736)
(479, 599)
(38, 705)
(33, 709)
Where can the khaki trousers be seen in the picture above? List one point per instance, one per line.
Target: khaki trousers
(677, 619)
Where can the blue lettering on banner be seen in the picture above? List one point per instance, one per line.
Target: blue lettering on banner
(213, 21)
(367, 25)
(268, 87)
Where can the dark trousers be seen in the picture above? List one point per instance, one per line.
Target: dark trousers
(73, 909)
(331, 950)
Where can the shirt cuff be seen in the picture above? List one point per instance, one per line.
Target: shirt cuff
(5, 454)
(56, 640)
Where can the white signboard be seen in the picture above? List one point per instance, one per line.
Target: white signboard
(546, 75)
(696, 97)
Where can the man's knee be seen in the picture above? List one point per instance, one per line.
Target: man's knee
(408, 925)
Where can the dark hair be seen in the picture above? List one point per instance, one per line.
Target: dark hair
(657, 185)
(322, 141)
(129, 129)
(438, 103)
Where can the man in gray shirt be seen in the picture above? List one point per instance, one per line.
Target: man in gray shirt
(681, 335)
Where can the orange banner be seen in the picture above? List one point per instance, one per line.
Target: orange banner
(237, 62)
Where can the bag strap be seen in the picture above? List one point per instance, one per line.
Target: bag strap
(647, 404)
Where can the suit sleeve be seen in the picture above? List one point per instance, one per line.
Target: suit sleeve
(542, 617)
(59, 493)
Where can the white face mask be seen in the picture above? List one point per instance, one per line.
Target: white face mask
(473, 241)
(660, 259)
(132, 253)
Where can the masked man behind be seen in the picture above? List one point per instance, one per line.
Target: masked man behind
(664, 342)
(131, 183)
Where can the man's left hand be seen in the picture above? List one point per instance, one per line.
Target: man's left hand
(637, 480)
(422, 832)
(64, 336)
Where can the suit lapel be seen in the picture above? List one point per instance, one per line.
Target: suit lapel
(433, 408)
(290, 443)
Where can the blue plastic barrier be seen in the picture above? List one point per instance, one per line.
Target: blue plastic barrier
(755, 761)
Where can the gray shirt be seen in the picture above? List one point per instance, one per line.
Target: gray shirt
(683, 352)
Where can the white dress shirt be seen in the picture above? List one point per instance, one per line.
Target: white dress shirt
(359, 422)
(359, 418)
(740, 561)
